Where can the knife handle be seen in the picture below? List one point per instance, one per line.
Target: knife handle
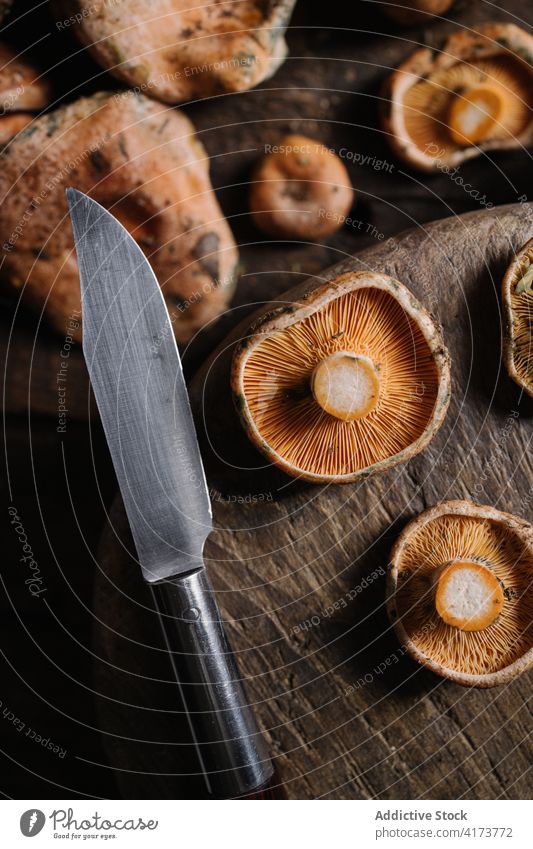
(231, 749)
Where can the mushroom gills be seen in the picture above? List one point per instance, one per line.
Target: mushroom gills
(346, 385)
(518, 303)
(469, 596)
(351, 385)
(483, 112)
(462, 593)
(469, 104)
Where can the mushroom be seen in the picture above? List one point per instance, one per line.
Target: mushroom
(175, 50)
(517, 293)
(300, 190)
(22, 90)
(475, 94)
(142, 161)
(460, 592)
(12, 124)
(348, 381)
(21, 85)
(413, 11)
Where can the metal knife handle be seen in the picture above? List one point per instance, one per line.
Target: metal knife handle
(230, 747)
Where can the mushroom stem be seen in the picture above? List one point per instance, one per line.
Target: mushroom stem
(346, 385)
(480, 113)
(468, 595)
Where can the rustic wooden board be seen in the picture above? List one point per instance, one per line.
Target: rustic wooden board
(299, 572)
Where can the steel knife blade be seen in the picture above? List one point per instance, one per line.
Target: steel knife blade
(138, 382)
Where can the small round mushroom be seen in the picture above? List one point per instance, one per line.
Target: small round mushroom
(413, 11)
(517, 294)
(350, 380)
(300, 190)
(460, 592)
(475, 94)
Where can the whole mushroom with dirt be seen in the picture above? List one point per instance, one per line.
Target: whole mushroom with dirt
(174, 50)
(143, 162)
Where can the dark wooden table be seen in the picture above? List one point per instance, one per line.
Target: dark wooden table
(61, 484)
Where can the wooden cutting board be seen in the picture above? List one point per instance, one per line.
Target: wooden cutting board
(300, 575)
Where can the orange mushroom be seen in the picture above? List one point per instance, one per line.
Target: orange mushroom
(142, 161)
(460, 592)
(517, 293)
(351, 380)
(174, 50)
(22, 89)
(475, 94)
(300, 190)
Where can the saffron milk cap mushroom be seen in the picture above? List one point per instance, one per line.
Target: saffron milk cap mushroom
(300, 190)
(460, 592)
(517, 295)
(348, 381)
(23, 89)
(474, 94)
(143, 162)
(174, 50)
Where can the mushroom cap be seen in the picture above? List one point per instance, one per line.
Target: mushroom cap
(143, 162)
(365, 314)
(174, 50)
(22, 86)
(466, 533)
(413, 11)
(12, 124)
(517, 295)
(422, 92)
(300, 190)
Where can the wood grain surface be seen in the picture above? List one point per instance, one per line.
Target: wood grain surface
(300, 572)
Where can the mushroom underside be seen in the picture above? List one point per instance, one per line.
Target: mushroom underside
(347, 387)
(488, 616)
(520, 304)
(469, 103)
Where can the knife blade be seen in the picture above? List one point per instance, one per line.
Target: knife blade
(137, 378)
(138, 382)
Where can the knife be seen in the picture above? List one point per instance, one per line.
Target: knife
(138, 382)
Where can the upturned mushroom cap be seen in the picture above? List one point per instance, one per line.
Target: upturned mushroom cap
(475, 94)
(517, 294)
(460, 592)
(413, 11)
(174, 50)
(349, 382)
